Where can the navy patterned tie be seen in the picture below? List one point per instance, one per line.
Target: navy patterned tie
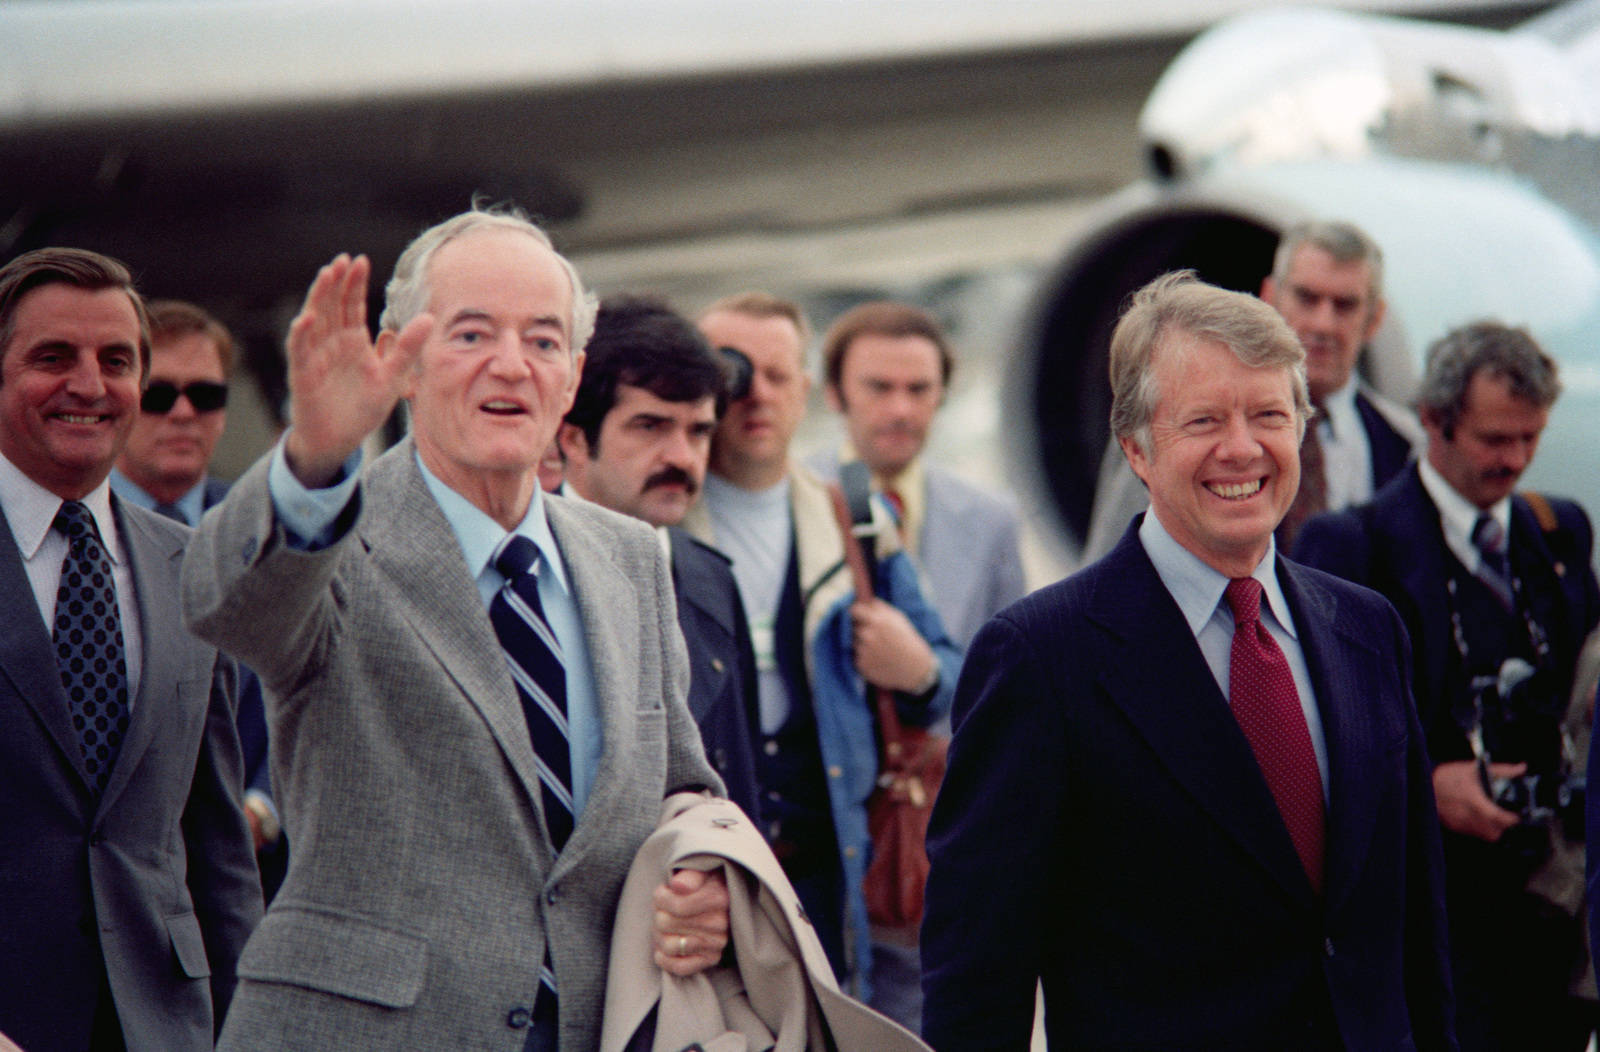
(173, 512)
(540, 675)
(1494, 569)
(88, 640)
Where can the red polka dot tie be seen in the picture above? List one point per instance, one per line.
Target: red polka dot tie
(1262, 695)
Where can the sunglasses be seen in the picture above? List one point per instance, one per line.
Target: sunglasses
(205, 396)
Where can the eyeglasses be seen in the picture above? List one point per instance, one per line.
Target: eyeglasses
(205, 396)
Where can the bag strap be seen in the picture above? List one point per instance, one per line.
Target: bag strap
(855, 479)
(855, 557)
(1542, 510)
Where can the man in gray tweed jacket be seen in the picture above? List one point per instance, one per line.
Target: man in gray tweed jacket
(427, 894)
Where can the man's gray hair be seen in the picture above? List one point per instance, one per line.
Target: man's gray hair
(1345, 242)
(1181, 303)
(406, 295)
(1489, 347)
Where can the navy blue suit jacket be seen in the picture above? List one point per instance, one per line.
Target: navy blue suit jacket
(1390, 450)
(1104, 828)
(1396, 545)
(722, 665)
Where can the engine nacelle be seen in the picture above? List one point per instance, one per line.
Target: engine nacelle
(1460, 242)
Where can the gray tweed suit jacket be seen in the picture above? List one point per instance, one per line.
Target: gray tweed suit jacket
(423, 888)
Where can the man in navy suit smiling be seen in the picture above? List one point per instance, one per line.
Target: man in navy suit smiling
(1187, 789)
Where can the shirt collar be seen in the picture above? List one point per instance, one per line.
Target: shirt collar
(1198, 588)
(192, 503)
(479, 535)
(1457, 514)
(907, 482)
(1339, 411)
(31, 510)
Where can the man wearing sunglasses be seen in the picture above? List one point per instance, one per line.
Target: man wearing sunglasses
(181, 415)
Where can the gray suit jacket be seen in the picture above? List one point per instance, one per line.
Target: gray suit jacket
(423, 888)
(969, 552)
(155, 881)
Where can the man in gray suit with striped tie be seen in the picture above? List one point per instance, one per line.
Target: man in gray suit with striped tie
(475, 690)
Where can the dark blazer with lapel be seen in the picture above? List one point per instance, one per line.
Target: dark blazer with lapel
(1104, 828)
(161, 864)
(1390, 450)
(722, 666)
(1396, 546)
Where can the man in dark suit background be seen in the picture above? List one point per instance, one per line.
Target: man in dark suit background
(1194, 837)
(1497, 605)
(637, 440)
(1327, 282)
(125, 863)
(182, 414)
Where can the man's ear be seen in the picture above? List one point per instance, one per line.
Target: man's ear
(385, 347)
(1375, 322)
(1268, 288)
(830, 394)
(572, 441)
(1136, 458)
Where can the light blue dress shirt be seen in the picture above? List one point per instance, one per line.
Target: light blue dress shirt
(1198, 590)
(192, 504)
(308, 516)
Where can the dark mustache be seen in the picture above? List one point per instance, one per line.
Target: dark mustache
(669, 477)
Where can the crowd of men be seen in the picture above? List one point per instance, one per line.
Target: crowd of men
(1290, 767)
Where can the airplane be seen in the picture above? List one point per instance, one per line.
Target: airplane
(1472, 156)
(226, 148)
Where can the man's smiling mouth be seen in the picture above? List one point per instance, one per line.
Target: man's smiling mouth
(1235, 490)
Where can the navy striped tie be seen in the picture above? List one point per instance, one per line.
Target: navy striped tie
(540, 676)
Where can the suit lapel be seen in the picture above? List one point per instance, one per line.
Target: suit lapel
(1421, 562)
(1191, 731)
(431, 587)
(155, 561)
(27, 657)
(601, 588)
(690, 580)
(1336, 654)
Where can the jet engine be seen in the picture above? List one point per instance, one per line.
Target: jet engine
(1465, 235)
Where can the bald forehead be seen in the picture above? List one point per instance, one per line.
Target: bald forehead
(501, 248)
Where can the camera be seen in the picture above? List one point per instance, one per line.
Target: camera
(1517, 719)
(739, 372)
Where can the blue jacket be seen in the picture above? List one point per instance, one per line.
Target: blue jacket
(838, 694)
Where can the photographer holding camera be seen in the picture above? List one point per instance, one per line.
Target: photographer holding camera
(1498, 595)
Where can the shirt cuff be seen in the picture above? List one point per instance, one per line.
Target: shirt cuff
(308, 515)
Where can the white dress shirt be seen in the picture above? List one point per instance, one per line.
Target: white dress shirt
(30, 509)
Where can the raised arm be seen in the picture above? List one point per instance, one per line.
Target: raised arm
(342, 384)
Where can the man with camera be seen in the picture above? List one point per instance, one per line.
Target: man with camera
(1497, 592)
